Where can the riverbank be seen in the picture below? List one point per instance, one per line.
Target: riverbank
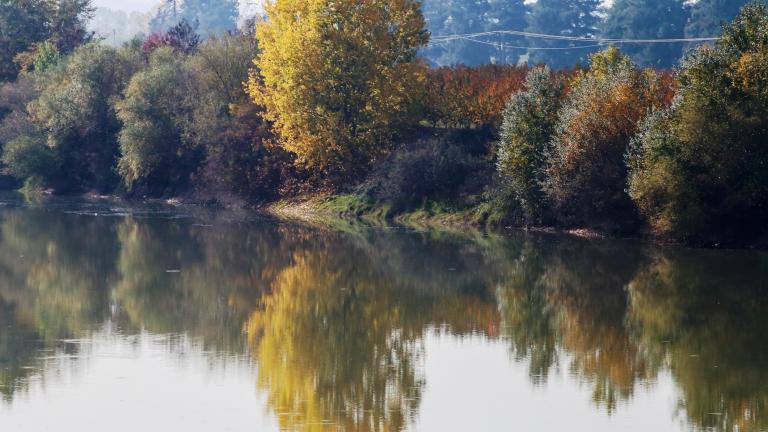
(330, 209)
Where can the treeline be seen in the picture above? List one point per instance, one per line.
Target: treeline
(334, 97)
(623, 19)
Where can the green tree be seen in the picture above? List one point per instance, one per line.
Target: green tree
(526, 132)
(76, 113)
(698, 169)
(708, 16)
(648, 19)
(156, 156)
(572, 18)
(22, 23)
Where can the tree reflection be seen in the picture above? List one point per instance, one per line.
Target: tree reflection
(703, 314)
(338, 340)
(335, 321)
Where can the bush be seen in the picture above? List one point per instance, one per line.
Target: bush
(439, 168)
(699, 170)
(587, 174)
(526, 132)
(26, 157)
(245, 159)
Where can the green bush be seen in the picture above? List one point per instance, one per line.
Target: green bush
(446, 168)
(27, 157)
(526, 132)
(699, 170)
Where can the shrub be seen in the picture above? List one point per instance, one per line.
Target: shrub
(26, 157)
(440, 168)
(699, 170)
(586, 173)
(526, 132)
(246, 160)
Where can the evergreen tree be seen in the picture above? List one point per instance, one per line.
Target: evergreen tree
(708, 16)
(648, 19)
(212, 16)
(457, 17)
(576, 18)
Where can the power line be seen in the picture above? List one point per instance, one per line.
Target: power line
(505, 45)
(598, 41)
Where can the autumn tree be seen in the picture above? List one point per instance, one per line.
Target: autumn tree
(699, 170)
(586, 172)
(338, 78)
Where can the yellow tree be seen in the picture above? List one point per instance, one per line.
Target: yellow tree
(339, 77)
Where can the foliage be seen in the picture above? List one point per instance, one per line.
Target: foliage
(156, 156)
(182, 37)
(470, 97)
(698, 169)
(708, 16)
(28, 157)
(22, 23)
(439, 168)
(339, 78)
(75, 112)
(529, 123)
(648, 19)
(573, 18)
(586, 173)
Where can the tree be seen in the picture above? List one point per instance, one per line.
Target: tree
(26, 24)
(708, 16)
(22, 23)
(339, 78)
(75, 112)
(526, 132)
(586, 173)
(213, 16)
(648, 19)
(156, 156)
(456, 17)
(573, 18)
(698, 169)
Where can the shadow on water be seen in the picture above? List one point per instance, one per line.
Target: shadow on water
(336, 321)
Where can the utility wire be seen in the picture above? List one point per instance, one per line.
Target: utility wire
(599, 41)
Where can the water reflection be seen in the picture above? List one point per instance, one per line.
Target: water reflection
(336, 323)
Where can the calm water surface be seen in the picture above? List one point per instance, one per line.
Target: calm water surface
(158, 320)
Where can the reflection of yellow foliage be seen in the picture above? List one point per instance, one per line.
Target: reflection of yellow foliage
(335, 349)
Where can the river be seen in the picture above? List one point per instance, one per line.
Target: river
(170, 319)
